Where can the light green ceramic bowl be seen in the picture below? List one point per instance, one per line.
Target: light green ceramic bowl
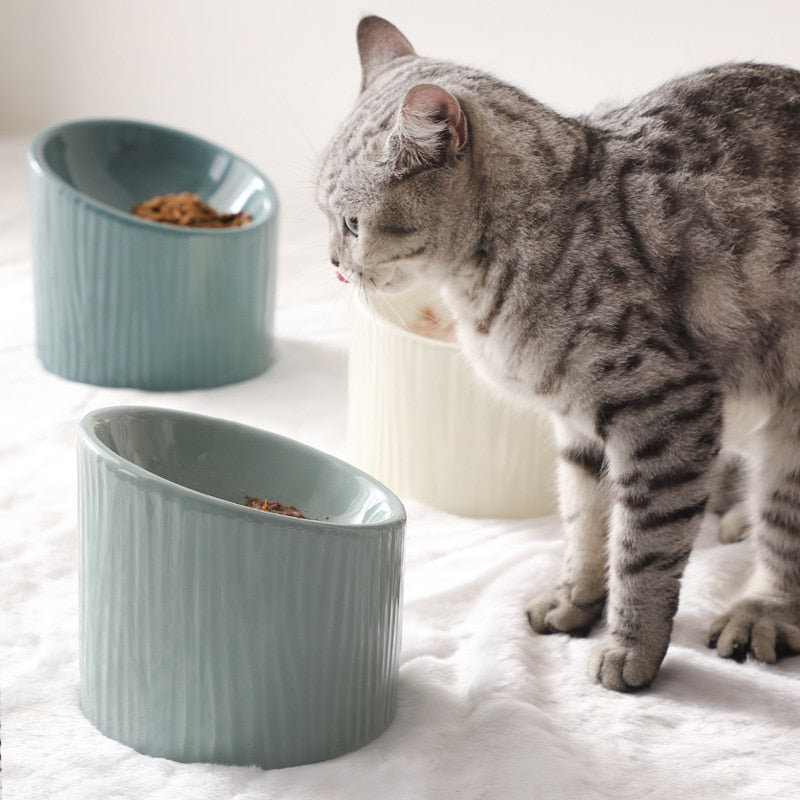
(123, 301)
(214, 632)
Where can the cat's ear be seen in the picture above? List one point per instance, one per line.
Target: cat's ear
(379, 42)
(431, 127)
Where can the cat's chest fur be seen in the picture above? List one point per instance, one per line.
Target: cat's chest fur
(520, 368)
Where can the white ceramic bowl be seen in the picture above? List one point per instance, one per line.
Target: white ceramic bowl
(422, 422)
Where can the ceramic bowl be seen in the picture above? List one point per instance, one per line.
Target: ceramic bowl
(215, 632)
(125, 301)
(421, 421)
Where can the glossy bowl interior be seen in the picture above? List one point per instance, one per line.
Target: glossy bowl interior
(211, 631)
(185, 454)
(421, 421)
(125, 301)
(119, 163)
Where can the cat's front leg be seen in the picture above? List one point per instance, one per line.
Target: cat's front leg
(661, 450)
(575, 604)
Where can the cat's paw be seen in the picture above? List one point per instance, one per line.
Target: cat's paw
(561, 611)
(624, 667)
(767, 628)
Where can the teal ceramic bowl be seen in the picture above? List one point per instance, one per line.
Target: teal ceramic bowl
(124, 301)
(210, 631)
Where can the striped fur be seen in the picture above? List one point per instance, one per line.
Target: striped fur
(633, 271)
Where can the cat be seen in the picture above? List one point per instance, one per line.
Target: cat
(632, 271)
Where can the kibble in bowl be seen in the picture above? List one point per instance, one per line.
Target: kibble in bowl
(187, 209)
(128, 300)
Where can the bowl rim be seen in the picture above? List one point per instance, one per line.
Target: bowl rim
(38, 163)
(87, 434)
(377, 317)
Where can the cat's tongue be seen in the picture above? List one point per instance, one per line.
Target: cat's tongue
(341, 277)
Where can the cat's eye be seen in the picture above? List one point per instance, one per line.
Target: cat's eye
(351, 224)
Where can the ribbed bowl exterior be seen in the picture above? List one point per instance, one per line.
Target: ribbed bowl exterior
(121, 302)
(219, 636)
(425, 425)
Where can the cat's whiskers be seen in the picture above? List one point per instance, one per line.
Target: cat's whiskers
(366, 301)
(342, 295)
(367, 297)
(401, 321)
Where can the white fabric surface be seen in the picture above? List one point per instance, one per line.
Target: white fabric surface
(486, 708)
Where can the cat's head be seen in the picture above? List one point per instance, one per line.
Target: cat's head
(393, 182)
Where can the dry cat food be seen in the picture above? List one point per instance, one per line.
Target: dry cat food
(434, 324)
(187, 209)
(274, 507)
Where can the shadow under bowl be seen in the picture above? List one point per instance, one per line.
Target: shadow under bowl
(125, 301)
(211, 631)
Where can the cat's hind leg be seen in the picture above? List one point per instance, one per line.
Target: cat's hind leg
(766, 621)
(576, 603)
(727, 499)
(732, 481)
(734, 524)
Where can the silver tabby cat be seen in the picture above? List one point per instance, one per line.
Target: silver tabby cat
(633, 271)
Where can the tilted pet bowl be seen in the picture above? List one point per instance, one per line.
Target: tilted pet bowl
(421, 421)
(211, 631)
(125, 301)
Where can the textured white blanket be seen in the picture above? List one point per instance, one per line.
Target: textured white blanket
(486, 708)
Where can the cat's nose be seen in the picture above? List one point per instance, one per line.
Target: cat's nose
(335, 262)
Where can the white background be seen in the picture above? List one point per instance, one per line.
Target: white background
(271, 80)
